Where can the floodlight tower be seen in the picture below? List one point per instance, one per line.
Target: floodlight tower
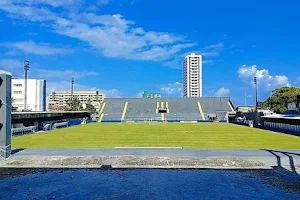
(256, 94)
(72, 91)
(26, 69)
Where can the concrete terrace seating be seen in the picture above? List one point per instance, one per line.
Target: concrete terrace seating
(184, 109)
(215, 105)
(113, 109)
(141, 109)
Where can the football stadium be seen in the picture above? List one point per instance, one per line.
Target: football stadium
(200, 123)
(132, 99)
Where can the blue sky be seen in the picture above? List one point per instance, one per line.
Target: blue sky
(123, 47)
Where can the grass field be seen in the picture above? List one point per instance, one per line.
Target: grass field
(201, 135)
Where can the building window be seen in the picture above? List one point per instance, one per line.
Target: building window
(17, 92)
(17, 85)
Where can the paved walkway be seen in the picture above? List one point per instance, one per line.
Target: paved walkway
(154, 158)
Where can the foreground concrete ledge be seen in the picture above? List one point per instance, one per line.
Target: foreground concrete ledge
(120, 162)
(153, 158)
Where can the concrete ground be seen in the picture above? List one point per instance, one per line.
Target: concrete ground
(154, 158)
(131, 184)
(120, 174)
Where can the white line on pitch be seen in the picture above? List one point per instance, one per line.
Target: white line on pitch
(148, 147)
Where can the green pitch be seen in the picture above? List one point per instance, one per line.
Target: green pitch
(201, 135)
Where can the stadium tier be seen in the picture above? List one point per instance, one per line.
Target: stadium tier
(169, 109)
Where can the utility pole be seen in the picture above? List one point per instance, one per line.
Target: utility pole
(72, 90)
(26, 68)
(256, 93)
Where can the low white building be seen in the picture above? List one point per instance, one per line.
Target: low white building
(35, 98)
(61, 98)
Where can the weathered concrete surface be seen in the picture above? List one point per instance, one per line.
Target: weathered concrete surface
(148, 184)
(154, 158)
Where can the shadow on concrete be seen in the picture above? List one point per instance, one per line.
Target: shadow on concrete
(290, 155)
(14, 151)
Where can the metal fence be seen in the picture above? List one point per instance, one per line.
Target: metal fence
(24, 130)
(47, 126)
(289, 127)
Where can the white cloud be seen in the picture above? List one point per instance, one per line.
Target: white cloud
(175, 64)
(297, 81)
(222, 92)
(210, 62)
(103, 2)
(35, 48)
(25, 12)
(62, 74)
(265, 80)
(111, 93)
(57, 86)
(11, 64)
(114, 39)
(140, 94)
(214, 46)
(112, 35)
(208, 51)
(16, 67)
(54, 3)
(5, 72)
(65, 85)
(172, 88)
(212, 50)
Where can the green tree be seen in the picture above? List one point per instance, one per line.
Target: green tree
(281, 97)
(74, 105)
(89, 106)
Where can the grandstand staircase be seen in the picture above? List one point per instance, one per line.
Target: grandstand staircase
(101, 112)
(201, 110)
(162, 108)
(124, 111)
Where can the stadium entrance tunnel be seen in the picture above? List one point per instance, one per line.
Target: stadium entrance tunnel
(162, 110)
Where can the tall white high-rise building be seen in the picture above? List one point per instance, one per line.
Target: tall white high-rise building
(192, 76)
(36, 94)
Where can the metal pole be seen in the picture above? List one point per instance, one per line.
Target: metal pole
(256, 93)
(256, 96)
(72, 90)
(256, 99)
(26, 68)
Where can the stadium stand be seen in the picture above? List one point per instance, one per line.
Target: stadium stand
(141, 110)
(185, 109)
(216, 106)
(169, 109)
(113, 109)
(24, 130)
